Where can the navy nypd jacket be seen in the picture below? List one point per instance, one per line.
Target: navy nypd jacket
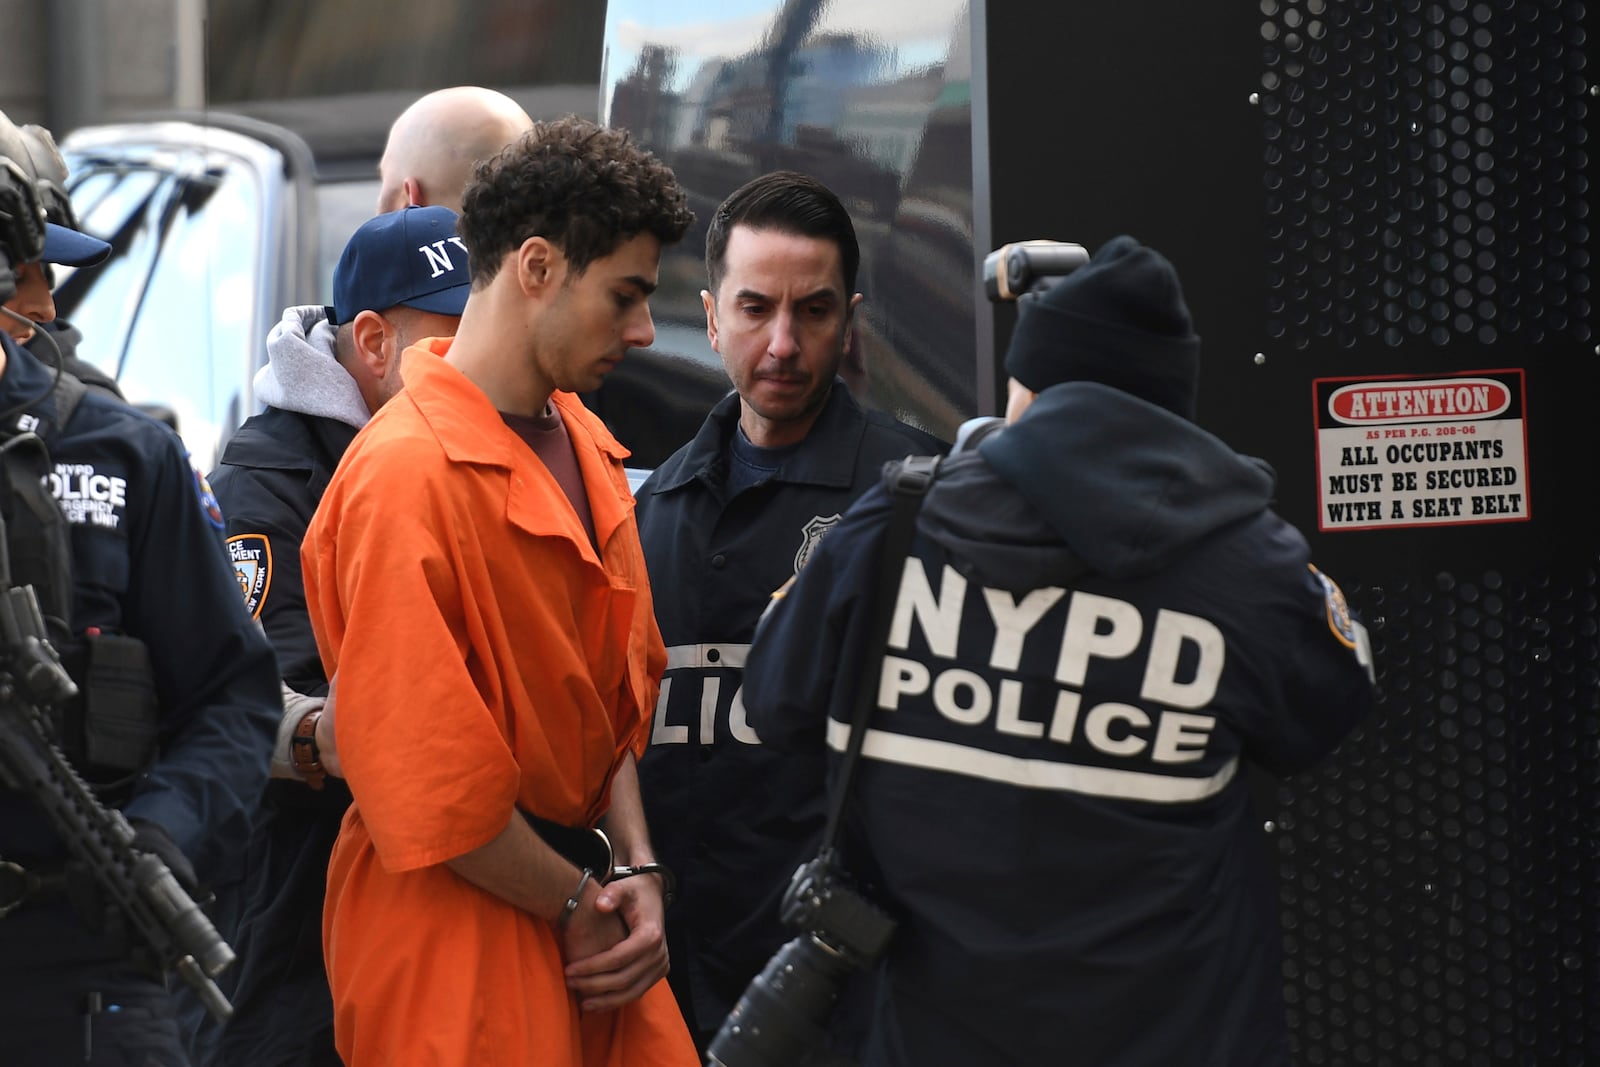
(148, 561)
(1100, 625)
(271, 477)
(729, 816)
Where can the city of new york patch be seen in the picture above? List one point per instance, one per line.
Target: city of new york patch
(251, 556)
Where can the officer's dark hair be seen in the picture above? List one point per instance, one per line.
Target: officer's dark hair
(583, 187)
(787, 202)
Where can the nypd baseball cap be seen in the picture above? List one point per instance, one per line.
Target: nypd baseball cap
(410, 258)
(72, 248)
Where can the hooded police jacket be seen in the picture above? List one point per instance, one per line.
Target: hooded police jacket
(1100, 627)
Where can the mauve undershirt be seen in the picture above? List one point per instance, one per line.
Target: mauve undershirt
(546, 434)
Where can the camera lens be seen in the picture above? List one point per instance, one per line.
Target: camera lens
(1017, 274)
(784, 1012)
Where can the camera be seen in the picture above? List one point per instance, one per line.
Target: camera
(783, 1013)
(1026, 267)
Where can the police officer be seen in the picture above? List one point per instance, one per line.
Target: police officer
(400, 279)
(1100, 625)
(65, 246)
(180, 697)
(725, 520)
(437, 140)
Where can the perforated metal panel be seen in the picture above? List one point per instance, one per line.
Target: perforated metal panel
(1425, 170)
(1426, 184)
(1362, 188)
(1440, 885)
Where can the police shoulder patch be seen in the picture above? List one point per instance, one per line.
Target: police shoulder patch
(777, 596)
(208, 499)
(811, 536)
(251, 555)
(1339, 620)
(1350, 633)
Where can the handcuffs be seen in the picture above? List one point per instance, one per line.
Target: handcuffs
(669, 885)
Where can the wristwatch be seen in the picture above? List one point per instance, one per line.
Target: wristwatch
(303, 751)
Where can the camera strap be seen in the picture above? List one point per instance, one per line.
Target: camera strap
(908, 481)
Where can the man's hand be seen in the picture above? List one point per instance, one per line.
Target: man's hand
(588, 932)
(296, 706)
(327, 751)
(621, 972)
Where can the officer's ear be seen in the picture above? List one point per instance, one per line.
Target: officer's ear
(708, 300)
(376, 342)
(414, 194)
(850, 318)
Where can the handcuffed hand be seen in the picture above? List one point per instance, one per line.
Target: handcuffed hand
(588, 931)
(623, 971)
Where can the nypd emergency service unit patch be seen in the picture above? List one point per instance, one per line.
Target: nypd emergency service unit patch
(208, 499)
(811, 536)
(251, 555)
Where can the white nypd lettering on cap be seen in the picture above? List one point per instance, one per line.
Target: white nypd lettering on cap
(86, 495)
(438, 256)
(1152, 740)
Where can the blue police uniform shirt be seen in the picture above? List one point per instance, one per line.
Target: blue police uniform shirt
(731, 818)
(148, 561)
(1100, 625)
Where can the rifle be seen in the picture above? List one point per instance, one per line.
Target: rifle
(167, 923)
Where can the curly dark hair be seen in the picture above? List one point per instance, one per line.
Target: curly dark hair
(584, 187)
(786, 202)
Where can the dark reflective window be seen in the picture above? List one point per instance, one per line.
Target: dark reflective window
(874, 100)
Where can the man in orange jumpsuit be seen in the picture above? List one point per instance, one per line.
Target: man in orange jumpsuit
(475, 578)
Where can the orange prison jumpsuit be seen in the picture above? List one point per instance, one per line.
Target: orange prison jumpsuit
(486, 658)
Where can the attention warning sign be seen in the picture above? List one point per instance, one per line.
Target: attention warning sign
(1421, 451)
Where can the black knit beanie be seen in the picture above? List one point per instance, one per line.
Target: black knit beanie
(1119, 320)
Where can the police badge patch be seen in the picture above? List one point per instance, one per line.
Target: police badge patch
(811, 536)
(251, 555)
